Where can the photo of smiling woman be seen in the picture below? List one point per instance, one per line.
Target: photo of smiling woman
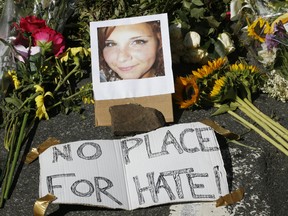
(131, 51)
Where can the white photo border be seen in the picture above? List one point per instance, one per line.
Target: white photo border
(136, 87)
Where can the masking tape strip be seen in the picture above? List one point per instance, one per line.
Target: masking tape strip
(231, 198)
(35, 152)
(220, 130)
(42, 204)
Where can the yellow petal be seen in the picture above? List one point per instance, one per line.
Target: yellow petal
(39, 88)
(65, 57)
(48, 93)
(76, 50)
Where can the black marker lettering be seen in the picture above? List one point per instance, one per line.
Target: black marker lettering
(66, 154)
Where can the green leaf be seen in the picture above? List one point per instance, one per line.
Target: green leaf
(15, 101)
(233, 106)
(221, 110)
(187, 4)
(197, 12)
(213, 22)
(197, 2)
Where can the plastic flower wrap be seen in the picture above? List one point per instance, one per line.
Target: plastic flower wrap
(43, 80)
(228, 87)
(54, 12)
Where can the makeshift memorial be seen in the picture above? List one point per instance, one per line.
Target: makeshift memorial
(43, 81)
(228, 87)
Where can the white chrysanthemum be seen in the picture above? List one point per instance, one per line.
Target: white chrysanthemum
(277, 87)
(267, 57)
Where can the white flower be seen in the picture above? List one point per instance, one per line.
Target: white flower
(235, 9)
(194, 55)
(267, 56)
(192, 40)
(23, 51)
(227, 42)
(276, 87)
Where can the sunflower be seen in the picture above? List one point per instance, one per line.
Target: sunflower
(258, 29)
(208, 69)
(218, 86)
(243, 67)
(186, 91)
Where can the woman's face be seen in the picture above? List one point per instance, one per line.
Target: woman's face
(130, 50)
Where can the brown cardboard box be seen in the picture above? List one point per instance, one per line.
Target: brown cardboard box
(163, 103)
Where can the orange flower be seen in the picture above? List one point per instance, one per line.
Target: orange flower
(186, 91)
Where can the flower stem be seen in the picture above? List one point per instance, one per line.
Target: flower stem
(267, 118)
(66, 78)
(264, 121)
(259, 121)
(16, 155)
(257, 130)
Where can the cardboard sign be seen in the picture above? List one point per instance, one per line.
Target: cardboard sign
(131, 61)
(178, 163)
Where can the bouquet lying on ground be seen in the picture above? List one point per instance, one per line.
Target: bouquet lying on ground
(270, 40)
(263, 32)
(228, 87)
(43, 81)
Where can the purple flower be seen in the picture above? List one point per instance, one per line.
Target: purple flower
(271, 41)
(280, 30)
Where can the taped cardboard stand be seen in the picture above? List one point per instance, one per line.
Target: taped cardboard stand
(163, 103)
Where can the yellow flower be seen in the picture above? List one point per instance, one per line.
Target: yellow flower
(14, 77)
(219, 83)
(87, 100)
(41, 109)
(74, 52)
(65, 56)
(243, 67)
(206, 70)
(186, 91)
(38, 88)
(258, 29)
(237, 67)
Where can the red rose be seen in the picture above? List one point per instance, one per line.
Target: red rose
(31, 23)
(45, 35)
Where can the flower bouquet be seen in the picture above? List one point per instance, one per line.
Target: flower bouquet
(228, 87)
(272, 52)
(264, 35)
(43, 81)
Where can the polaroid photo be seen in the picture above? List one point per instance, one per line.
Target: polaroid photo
(131, 57)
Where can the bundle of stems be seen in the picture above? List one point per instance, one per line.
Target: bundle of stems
(272, 131)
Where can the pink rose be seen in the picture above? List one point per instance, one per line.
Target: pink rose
(46, 35)
(31, 23)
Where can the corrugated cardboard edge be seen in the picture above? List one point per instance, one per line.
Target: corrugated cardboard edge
(163, 103)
